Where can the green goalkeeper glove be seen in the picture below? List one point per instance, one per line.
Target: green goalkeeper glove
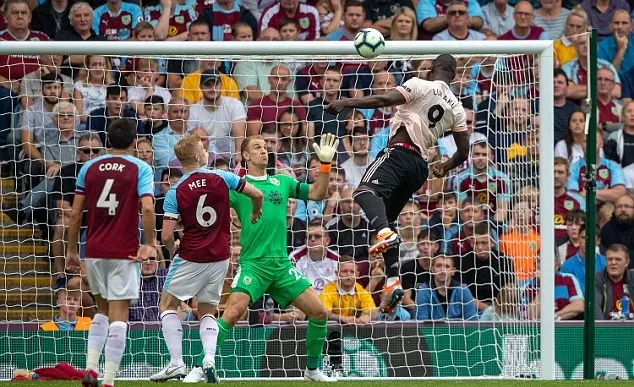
(327, 148)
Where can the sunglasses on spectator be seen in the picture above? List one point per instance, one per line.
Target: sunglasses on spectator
(457, 13)
(87, 151)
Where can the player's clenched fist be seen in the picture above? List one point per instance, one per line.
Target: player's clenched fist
(327, 147)
(438, 170)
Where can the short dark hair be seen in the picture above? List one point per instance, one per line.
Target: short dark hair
(428, 234)
(575, 216)
(121, 133)
(154, 100)
(171, 172)
(481, 228)
(269, 129)
(49, 78)
(286, 22)
(115, 90)
(198, 23)
(445, 63)
(359, 130)
(619, 248)
(352, 3)
(220, 162)
(560, 73)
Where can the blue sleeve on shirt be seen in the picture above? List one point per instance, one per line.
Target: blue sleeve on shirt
(579, 199)
(145, 179)
(573, 180)
(170, 204)
(80, 183)
(425, 10)
(423, 303)
(474, 9)
(616, 173)
(97, 18)
(231, 179)
(544, 36)
(135, 11)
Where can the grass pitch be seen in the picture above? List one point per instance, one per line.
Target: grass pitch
(364, 383)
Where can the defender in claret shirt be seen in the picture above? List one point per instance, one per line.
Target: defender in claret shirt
(427, 109)
(201, 199)
(106, 188)
(264, 263)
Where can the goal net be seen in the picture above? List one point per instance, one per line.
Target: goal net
(477, 232)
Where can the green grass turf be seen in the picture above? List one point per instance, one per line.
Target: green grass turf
(368, 383)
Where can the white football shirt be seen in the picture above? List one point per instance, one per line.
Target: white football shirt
(429, 110)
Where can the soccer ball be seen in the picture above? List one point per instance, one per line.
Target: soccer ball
(369, 43)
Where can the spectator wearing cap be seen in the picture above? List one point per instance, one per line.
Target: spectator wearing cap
(31, 85)
(565, 201)
(458, 21)
(614, 284)
(484, 182)
(620, 229)
(524, 29)
(190, 87)
(577, 72)
(601, 12)
(223, 15)
(252, 76)
(432, 16)
(551, 16)
(354, 18)
(564, 107)
(306, 15)
(444, 297)
(616, 48)
(116, 107)
(198, 31)
(223, 117)
(610, 108)
(576, 25)
(576, 265)
(498, 17)
(381, 13)
(610, 181)
(267, 110)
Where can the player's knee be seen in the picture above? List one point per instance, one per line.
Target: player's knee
(318, 313)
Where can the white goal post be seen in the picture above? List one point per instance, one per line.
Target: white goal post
(323, 49)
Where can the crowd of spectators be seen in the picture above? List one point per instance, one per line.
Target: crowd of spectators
(471, 242)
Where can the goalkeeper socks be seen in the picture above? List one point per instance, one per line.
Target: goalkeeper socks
(373, 207)
(97, 335)
(315, 338)
(391, 258)
(209, 336)
(115, 346)
(173, 335)
(223, 331)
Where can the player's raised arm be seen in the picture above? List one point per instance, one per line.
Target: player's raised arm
(391, 98)
(325, 151)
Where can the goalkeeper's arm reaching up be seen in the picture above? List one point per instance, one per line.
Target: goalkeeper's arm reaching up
(325, 151)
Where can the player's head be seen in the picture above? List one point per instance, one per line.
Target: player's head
(443, 68)
(254, 152)
(191, 152)
(122, 133)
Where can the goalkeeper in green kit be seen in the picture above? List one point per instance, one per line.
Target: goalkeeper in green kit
(264, 264)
